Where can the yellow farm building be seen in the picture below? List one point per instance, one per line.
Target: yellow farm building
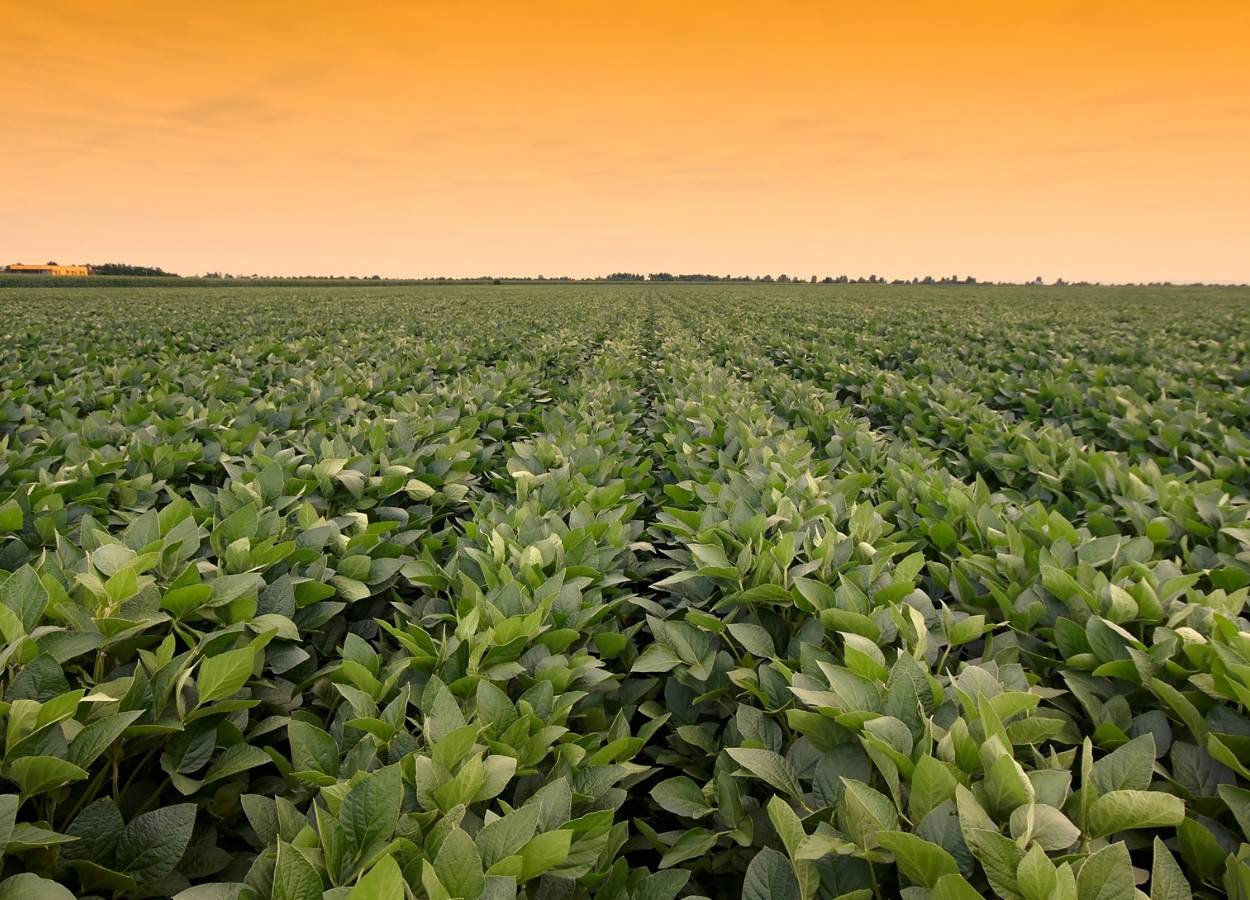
(49, 269)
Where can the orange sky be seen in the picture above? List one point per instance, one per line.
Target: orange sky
(1099, 140)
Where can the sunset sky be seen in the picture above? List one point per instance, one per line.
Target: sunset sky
(1089, 140)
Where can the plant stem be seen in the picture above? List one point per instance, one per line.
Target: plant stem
(872, 876)
(85, 795)
(138, 770)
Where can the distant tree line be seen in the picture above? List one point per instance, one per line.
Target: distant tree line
(835, 279)
(127, 269)
(785, 279)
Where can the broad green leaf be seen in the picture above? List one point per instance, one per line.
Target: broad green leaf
(28, 837)
(212, 891)
(8, 815)
(770, 877)
(1006, 786)
(1127, 768)
(93, 740)
(1036, 877)
(999, 857)
(1167, 881)
(770, 768)
(755, 639)
(98, 827)
(1122, 810)
(28, 886)
(225, 674)
(434, 889)
(262, 815)
(236, 759)
(787, 825)
(544, 851)
(382, 882)
(931, 783)
(865, 812)
(294, 877)
(152, 843)
(921, 861)
(1200, 849)
(507, 835)
(1238, 801)
(371, 808)
(10, 516)
(656, 658)
(25, 596)
(1052, 830)
(952, 887)
(39, 774)
(497, 771)
(1106, 875)
(221, 890)
(681, 796)
(459, 865)
(312, 749)
(691, 844)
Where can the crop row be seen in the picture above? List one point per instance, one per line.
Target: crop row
(624, 592)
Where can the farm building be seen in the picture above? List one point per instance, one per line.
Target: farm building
(49, 269)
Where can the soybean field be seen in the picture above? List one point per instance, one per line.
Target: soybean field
(627, 592)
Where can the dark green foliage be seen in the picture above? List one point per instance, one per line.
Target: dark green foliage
(131, 270)
(630, 591)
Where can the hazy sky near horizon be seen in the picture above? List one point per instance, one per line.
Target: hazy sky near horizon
(1089, 140)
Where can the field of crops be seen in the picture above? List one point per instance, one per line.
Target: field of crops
(625, 592)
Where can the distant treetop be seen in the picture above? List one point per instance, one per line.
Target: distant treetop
(126, 269)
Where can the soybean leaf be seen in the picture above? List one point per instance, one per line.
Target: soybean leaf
(1106, 875)
(384, 882)
(294, 877)
(681, 796)
(459, 865)
(28, 886)
(371, 808)
(770, 877)
(770, 768)
(1167, 882)
(225, 674)
(922, 861)
(1122, 810)
(152, 843)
